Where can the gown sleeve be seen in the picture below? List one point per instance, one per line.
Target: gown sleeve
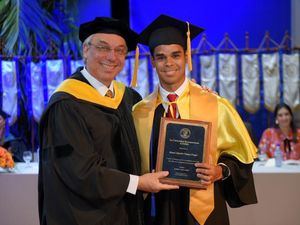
(238, 188)
(237, 151)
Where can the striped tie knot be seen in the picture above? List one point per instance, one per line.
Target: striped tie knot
(172, 97)
(109, 94)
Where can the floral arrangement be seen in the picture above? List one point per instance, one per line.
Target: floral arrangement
(6, 160)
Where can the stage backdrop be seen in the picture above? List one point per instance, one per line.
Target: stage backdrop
(234, 17)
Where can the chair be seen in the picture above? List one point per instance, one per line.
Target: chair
(296, 113)
(248, 125)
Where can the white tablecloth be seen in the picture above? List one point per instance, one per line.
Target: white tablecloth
(19, 195)
(278, 193)
(22, 168)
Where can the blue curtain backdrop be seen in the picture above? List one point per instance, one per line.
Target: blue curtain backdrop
(219, 17)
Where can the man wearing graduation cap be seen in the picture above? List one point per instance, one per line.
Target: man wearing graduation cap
(89, 157)
(228, 174)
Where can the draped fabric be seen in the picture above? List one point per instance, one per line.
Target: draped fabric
(291, 80)
(10, 90)
(208, 71)
(228, 76)
(250, 82)
(123, 76)
(187, 72)
(155, 78)
(37, 93)
(270, 67)
(217, 72)
(55, 74)
(75, 64)
(143, 76)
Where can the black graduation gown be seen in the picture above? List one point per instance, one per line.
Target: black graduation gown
(172, 207)
(87, 153)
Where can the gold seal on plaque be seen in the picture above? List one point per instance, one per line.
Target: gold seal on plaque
(185, 133)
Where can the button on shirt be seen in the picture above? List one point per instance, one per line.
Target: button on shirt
(102, 89)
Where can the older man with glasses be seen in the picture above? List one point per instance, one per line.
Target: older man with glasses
(89, 169)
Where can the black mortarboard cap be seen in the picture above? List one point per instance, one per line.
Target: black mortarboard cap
(167, 30)
(4, 114)
(109, 26)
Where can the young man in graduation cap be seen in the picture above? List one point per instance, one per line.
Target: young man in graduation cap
(227, 176)
(89, 159)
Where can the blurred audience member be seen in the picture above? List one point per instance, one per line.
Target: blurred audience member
(3, 117)
(283, 133)
(7, 140)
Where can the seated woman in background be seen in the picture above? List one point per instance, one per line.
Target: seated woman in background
(283, 133)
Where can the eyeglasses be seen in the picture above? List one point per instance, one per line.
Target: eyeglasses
(104, 49)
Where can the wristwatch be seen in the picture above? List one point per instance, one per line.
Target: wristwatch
(225, 171)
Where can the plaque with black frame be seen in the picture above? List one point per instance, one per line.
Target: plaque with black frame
(181, 144)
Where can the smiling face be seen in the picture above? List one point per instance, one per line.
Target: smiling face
(284, 117)
(170, 61)
(104, 56)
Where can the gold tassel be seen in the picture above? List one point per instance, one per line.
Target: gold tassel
(136, 66)
(188, 48)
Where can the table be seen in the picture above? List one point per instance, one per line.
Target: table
(278, 193)
(19, 195)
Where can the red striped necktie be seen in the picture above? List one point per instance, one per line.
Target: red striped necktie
(172, 113)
